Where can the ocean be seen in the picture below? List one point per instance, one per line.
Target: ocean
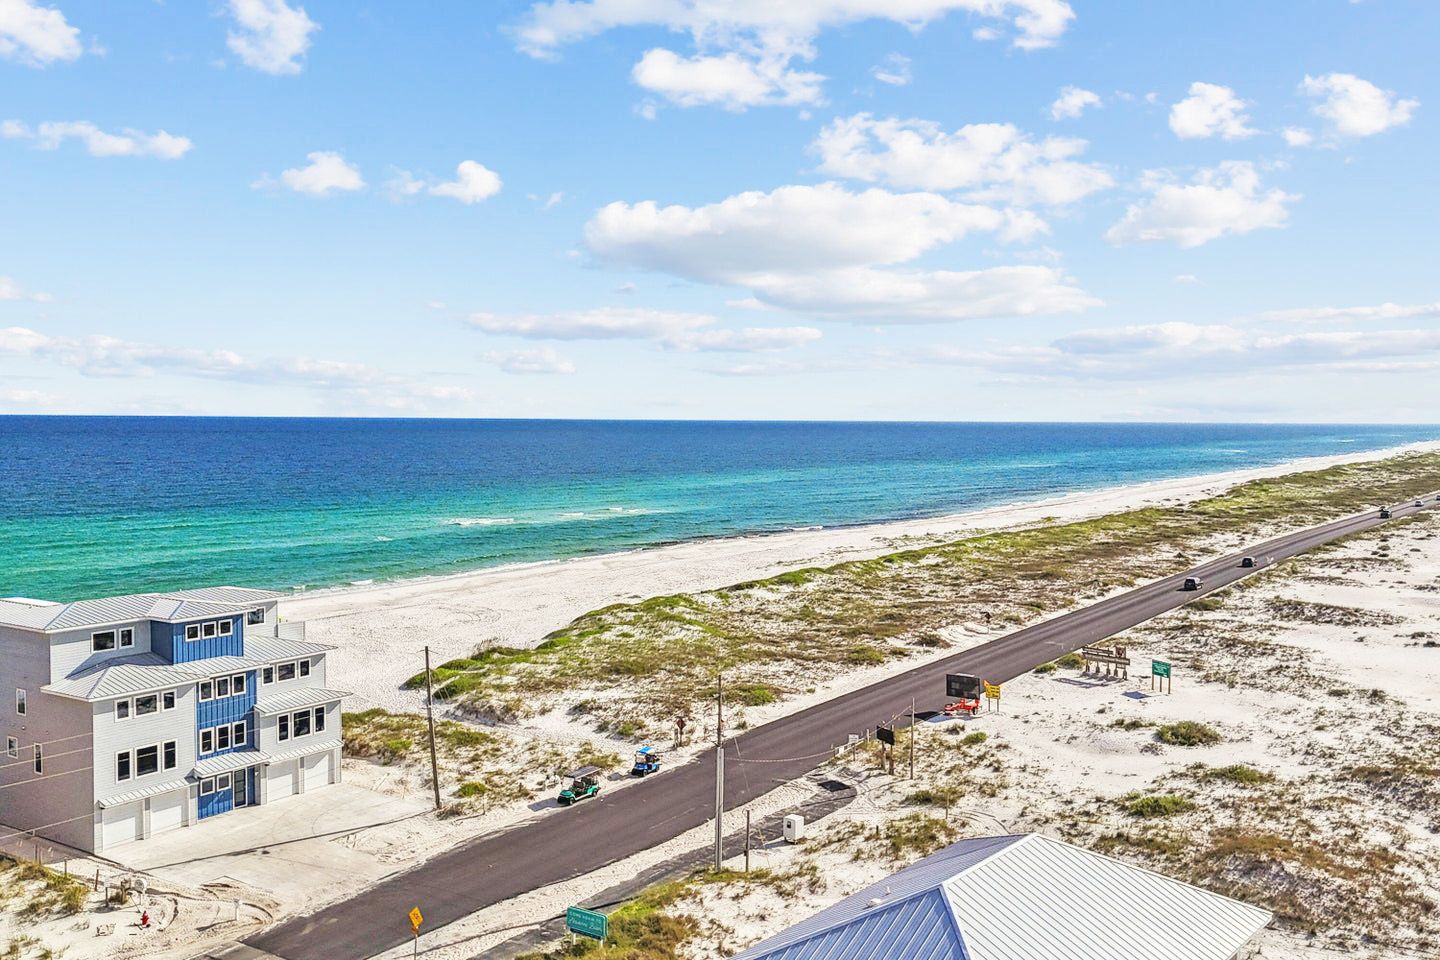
(91, 506)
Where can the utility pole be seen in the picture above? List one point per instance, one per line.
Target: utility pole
(430, 719)
(912, 738)
(719, 765)
(747, 841)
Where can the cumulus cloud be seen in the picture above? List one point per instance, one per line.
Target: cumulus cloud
(671, 329)
(744, 51)
(1220, 201)
(27, 399)
(1382, 311)
(1297, 137)
(893, 70)
(327, 172)
(99, 355)
(824, 249)
(1072, 102)
(36, 36)
(12, 291)
(542, 360)
(1169, 350)
(128, 143)
(473, 182)
(1354, 107)
(269, 35)
(992, 161)
(1210, 110)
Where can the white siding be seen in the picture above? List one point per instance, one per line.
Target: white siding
(70, 649)
(113, 736)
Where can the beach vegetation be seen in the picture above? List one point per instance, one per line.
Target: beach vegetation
(1154, 805)
(1188, 733)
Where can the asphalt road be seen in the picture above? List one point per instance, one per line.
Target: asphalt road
(568, 843)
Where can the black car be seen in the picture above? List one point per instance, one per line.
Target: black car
(1191, 583)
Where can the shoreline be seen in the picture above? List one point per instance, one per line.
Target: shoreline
(381, 630)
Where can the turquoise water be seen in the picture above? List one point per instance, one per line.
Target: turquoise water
(98, 505)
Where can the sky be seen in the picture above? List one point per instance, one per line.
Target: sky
(695, 209)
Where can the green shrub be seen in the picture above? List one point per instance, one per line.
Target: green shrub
(1046, 668)
(1237, 773)
(1188, 733)
(1071, 661)
(1157, 805)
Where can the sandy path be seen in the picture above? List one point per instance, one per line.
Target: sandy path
(382, 630)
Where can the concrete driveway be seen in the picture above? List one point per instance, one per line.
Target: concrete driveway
(299, 849)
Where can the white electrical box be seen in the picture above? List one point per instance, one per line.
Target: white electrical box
(793, 828)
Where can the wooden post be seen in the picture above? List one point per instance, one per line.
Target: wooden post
(747, 841)
(430, 719)
(912, 738)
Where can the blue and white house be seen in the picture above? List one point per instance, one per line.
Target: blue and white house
(138, 714)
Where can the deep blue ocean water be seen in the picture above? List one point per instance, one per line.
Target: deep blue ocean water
(91, 506)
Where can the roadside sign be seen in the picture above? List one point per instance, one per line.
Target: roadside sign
(885, 735)
(587, 923)
(416, 918)
(1114, 661)
(992, 690)
(1160, 670)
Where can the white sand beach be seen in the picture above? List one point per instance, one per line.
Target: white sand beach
(382, 630)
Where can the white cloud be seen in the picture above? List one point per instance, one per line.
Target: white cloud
(729, 80)
(1222, 200)
(270, 36)
(27, 399)
(821, 249)
(672, 330)
(1297, 136)
(327, 173)
(1383, 311)
(473, 182)
(744, 50)
(894, 70)
(128, 143)
(746, 303)
(992, 160)
(1186, 278)
(1354, 107)
(105, 356)
(1210, 110)
(542, 360)
(1072, 102)
(1174, 350)
(12, 291)
(36, 35)
(548, 202)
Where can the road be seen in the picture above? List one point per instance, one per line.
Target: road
(569, 843)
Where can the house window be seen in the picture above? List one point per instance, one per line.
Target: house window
(222, 782)
(302, 723)
(104, 640)
(319, 719)
(237, 683)
(284, 726)
(146, 703)
(12, 747)
(122, 709)
(169, 754)
(167, 700)
(207, 740)
(237, 733)
(222, 687)
(267, 675)
(227, 627)
(255, 616)
(207, 630)
(192, 631)
(39, 759)
(127, 637)
(207, 787)
(20, 701)
(285, 671)
(147, 761)
(207, 690)
(304, 668)
(122, 766)
(222, 738)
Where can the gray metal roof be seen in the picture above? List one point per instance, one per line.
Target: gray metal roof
(270, 649)
(153, 790)
(297, 699)
(1015, 898)
(178, 605)
(226, 762)
(307, 750)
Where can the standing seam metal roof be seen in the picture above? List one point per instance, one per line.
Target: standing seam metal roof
(176, 605)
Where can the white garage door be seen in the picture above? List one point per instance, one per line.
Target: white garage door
(167, 811)
(279, 780)
(121, 824)
(317, 770)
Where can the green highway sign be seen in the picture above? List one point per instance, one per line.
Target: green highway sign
(1159, 668)
(587, 923)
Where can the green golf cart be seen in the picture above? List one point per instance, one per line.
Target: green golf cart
(584, 782)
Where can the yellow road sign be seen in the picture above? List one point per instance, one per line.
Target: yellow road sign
(416, 918)
(992, 690)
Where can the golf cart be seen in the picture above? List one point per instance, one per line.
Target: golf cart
(647, 760)
(584, 782)
(964, 692)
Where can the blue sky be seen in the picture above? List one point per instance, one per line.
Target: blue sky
(914, 209)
